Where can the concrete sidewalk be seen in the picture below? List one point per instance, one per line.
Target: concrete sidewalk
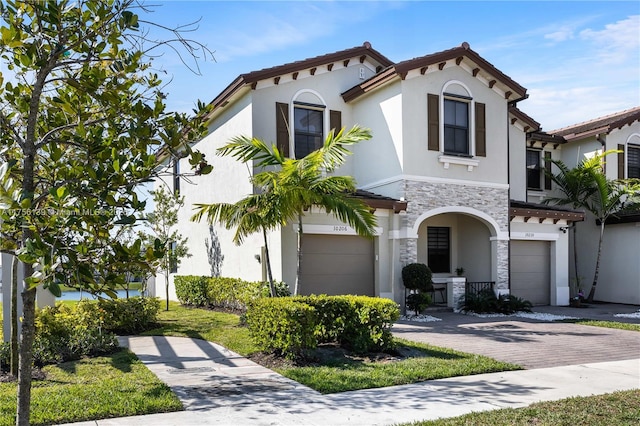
(218, 387)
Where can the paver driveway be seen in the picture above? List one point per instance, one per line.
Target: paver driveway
(529, 343)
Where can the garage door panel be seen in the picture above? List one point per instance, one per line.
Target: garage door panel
(529, 264)
(332, 264)
(337, 264)
(530, 271)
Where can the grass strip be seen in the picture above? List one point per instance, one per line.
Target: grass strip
(606, 324)
(614, 409)
(93, 388)
(426, 362)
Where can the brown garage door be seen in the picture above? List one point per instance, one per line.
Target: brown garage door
(530, 271)
(337, 264)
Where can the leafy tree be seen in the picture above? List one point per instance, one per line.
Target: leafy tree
(296, 185)
(82, 121)
(162, 222)
(592, 190)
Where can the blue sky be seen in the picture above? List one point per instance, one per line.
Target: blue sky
(578, 60)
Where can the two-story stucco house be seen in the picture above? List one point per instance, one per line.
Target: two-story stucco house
(446, 172)
(619, 276)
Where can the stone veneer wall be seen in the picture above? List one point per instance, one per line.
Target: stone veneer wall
(425, 196)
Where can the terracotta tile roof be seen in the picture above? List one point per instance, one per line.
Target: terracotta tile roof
(246, 80)
(599, 125)
(400, 70)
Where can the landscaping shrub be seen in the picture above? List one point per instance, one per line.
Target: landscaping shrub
(221, 292)
(127, 316)
(69, 332)
(65, 333)
(371, 328)
(191, 289)
(281, 288)
(486, 301)
(417, 276)
(360, 323)
(282, 325)
(417, 302)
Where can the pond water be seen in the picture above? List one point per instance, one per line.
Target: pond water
(77, 295)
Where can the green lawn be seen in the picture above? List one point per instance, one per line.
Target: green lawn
(94, 388)
(615, 409)
(336, 374)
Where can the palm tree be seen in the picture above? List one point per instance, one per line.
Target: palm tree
(296, 185)
(258, 212)
(609, 198)
(588, 187)
(575, 187)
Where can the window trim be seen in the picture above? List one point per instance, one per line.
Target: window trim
(306, 105)
(471, 125)
(539, 168)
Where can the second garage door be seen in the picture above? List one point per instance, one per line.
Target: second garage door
(337, 264)
(530, 271)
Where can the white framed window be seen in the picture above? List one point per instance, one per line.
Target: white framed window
(308, 128)
(456, 126)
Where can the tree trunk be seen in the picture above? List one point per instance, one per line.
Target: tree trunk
(592, 292)
(272, 289)
(166, 287)
(26, 349)
(296, 289)
(14, 318)
(575, 256)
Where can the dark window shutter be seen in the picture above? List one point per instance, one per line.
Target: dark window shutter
(335, 121)
(282, 128)
(433, 118)
(621, 162)
(481, 132)
(547, 170)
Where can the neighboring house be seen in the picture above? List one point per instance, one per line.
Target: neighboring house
(619, 277)
(447, 171)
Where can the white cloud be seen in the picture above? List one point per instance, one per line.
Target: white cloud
(563, 34)
(617, 42)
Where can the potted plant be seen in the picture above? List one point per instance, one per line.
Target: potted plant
(459, 271)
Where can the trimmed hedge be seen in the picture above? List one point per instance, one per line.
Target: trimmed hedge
(282, 325)
(291, 325)
(221, 292)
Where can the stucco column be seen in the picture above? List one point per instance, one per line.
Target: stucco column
(559, 279)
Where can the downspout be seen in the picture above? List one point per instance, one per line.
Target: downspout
(509, 195)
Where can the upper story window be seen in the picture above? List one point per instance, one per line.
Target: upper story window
(534, 170)
(301, 127)
(308, 128)
(456, 127)
(633, 161)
